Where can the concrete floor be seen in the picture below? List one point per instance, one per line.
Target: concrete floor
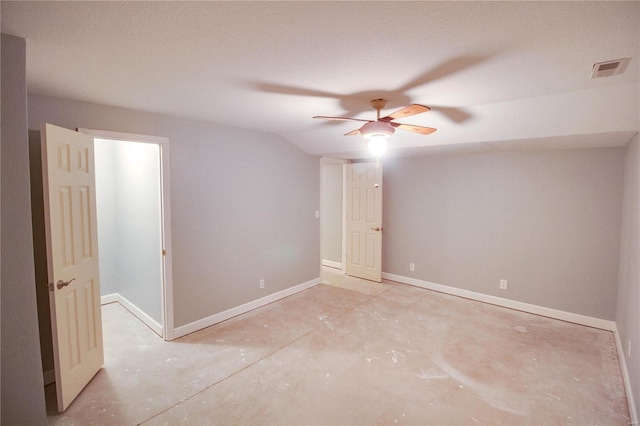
(355, 352)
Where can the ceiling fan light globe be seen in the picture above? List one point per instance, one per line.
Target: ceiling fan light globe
(376, 128)
(378, 145)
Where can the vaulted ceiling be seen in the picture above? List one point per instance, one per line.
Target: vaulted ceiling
(497, 75)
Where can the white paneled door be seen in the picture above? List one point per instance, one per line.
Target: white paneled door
(72, 259)
(364, 221)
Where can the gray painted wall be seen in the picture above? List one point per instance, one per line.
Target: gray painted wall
(332, 212)
(628, 307)
(130, 241)
(546, 221)
(242, 203)
(21, 378)
(106, 206)
(139, 237)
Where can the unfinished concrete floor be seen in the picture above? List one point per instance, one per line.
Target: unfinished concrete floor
(357, 352)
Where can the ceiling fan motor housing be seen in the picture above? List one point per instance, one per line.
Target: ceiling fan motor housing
(377, 128)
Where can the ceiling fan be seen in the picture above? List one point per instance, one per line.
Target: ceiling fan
(382, 127)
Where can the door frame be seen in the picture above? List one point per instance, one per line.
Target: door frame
(327, 161)
(165, 213)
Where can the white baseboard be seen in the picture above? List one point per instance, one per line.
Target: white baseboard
(49, 377)
(110, 298)
(633, 413)
(331, 264)
(139, 313)
(507, 303)
(230, 313)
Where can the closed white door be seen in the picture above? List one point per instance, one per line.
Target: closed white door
(364, 221)
(72, 259)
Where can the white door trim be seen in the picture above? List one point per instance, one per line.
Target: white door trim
(168, 320)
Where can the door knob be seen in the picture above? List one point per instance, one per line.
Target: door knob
(61, 283)
(377, 228)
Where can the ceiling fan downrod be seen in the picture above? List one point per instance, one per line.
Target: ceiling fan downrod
(378, 104)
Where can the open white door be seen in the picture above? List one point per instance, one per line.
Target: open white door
(364, 221)
(72, 259)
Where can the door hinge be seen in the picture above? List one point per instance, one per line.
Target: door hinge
(164, 252)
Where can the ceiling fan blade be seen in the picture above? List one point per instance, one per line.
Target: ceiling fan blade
(406, 112)
(293, 90)
(341, 118)
(415, 129)
(447, 68)
(353, 132)
(457, 115)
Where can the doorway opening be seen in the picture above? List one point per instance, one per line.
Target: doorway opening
(132, 194)
(332, 212)
(351, 220)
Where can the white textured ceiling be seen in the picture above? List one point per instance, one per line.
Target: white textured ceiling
(498, 75)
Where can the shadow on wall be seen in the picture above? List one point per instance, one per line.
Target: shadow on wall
(39, 250)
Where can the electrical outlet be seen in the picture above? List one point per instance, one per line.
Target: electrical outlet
(503, 284)
(261, 283)
(412, 266)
